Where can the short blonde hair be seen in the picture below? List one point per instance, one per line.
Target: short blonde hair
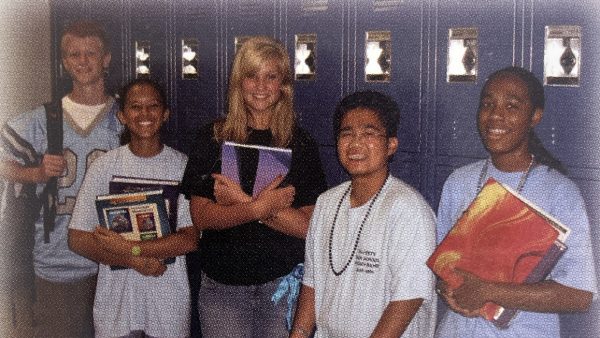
(252, 54)
(85, 29)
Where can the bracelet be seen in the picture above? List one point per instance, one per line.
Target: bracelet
(301, 331)
(136, 250)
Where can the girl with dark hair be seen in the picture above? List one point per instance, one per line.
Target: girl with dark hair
(511, 105)
(150, 298)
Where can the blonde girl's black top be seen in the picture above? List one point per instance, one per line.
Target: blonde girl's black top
(252, 253)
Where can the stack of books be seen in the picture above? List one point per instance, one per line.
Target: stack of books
(139, 208)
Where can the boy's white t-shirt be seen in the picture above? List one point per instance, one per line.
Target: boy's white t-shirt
(388, 265)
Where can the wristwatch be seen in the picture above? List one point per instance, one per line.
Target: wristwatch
(136, 250)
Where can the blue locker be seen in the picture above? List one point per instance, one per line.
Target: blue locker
(315, 100)
(407, 80)
(247, 18)
(150, 26)
(199, 100)
(455, 104)
(570, 128)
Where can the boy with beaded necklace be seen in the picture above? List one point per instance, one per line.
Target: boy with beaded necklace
(369, 238)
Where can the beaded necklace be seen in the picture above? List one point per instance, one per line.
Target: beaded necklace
(522, 180)
(338, 273)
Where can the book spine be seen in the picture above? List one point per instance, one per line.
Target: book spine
(539, 273)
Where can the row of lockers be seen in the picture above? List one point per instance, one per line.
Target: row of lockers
(438, 131)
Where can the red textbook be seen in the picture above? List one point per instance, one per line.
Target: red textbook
(500, 237)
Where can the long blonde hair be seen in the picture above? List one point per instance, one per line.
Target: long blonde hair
(252, 54)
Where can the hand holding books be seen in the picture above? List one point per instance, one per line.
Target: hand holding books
(118, 245)
(112, 241)
(273, 199)
(269, 193)
(267, 202)
(500, 238)
(469, 298)
(229, 192)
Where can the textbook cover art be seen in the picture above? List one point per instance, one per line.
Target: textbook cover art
(271, 163)
(136, 216)
(119, 220)
(170, 188)
(500, 237)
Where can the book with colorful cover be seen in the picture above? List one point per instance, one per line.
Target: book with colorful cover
(137, 216)
(127, 184)
(500, 237)
(272, 162)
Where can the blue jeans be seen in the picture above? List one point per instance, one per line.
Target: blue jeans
(240, 311)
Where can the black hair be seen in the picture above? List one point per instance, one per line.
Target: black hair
(385, 107)
(125, 136)
(535, 91)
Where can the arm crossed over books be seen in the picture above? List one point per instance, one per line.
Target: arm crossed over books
(109, 248)
(272, 206)
(544, 296)
(495, 259)
(137, 227)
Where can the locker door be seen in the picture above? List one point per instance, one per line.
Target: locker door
(197, 95)
(570, 125)
(570, 128)
(315, 99)
(243, 18)
(110, 13)
(457, 141)
(149, 52)
(406, 81)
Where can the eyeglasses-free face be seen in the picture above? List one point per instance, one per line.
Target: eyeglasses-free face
(506, 117)
(261, 90)
(84, 59)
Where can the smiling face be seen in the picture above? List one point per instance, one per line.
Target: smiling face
(362, 145)
(85, 59)
(143, 113)
(261, 90)
(506, 116)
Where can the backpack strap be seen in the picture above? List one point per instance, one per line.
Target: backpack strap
(54, 131)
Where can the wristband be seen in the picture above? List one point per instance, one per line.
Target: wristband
(136, 250)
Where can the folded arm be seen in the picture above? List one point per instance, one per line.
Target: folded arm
(85, 244)
(176, 244)
(545, 296)
(233, 207)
